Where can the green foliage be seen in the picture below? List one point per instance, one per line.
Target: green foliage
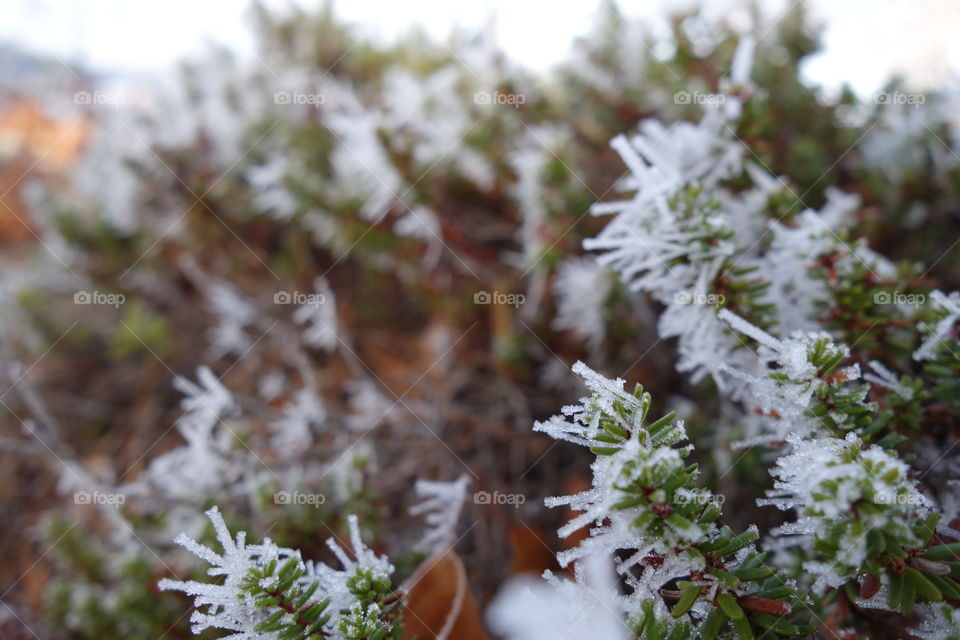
(140, 330)
(656, 491)
(647, 625)
(943, 371)
(377, 615)
(94, 595)
(279, 592)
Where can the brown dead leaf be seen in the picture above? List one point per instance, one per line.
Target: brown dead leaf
(53, 144)
(530, 550)
(15, 225)
(32, 144)
(439, 605)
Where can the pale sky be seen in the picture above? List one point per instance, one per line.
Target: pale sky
(865, 39)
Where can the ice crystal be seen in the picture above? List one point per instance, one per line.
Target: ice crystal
(319, 314)
(938, 621)
(949, 306)
(790, 374)
(586, 607)
(582, 287)
(294, 430)
(206, 462)
(826, 480)
(441, 504)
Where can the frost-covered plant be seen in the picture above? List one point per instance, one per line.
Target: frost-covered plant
(864, 514)
(401, 194)
(865, 517)
(938, 622)
(644, 508)
(265, 591)
(777, 307)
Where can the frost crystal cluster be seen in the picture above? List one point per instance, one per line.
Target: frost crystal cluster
(268, 592)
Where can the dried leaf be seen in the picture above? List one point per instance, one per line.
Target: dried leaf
(438, 603)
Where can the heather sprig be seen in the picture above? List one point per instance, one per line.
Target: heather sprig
(645, 502)
(269, 592)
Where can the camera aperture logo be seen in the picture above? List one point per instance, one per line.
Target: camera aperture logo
(99, 297)
(99, 498)
(513, 499)
(299, 298)
(299, 98)
(299, 498)
(499, 297)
